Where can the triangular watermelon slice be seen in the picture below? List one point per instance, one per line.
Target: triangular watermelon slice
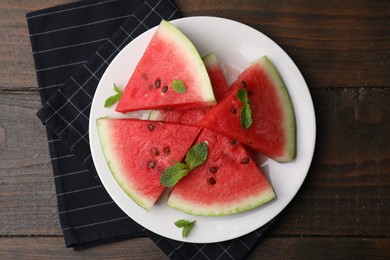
(228, 182)
(170, 62)
(193, 116)
(138, 151)
(273, 129)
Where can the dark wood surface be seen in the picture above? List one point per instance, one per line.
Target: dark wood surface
(343, 208)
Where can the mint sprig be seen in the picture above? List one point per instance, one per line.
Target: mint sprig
(179, 86)
(185, 225)
(246, 111)
(195, 157)
(114, 98)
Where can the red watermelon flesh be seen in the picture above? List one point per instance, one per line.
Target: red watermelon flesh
(170, 56)
(228, 182)
(138, 151)
(193, 116)
(218, 81)
(273, 129)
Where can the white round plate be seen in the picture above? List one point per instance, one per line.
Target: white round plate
(235, 45)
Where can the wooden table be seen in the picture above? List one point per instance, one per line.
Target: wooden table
(343, 208)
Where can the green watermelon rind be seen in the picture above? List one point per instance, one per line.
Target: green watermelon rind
(210, 59)
(247, 203)
(288, 110)
(154, 115)
(115, 165)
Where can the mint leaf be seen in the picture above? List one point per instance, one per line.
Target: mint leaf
(178, 86)
(111, 100)
(242, 95)
(246, 116)
(114, 98)
(197, 155)
(173, 174)
(117, 90)
(186, 225)
(246, 111)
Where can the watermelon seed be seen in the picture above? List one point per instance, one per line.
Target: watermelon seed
(167, 150)
(151, 165)
(243, 84)
(158, 83)
(155, 151)
(212, 181)
(233, 142)
(245, 161)
(250, 93)
(150, 86)
(164, 89)
(213, 169)
(234, 110)
(151, 127)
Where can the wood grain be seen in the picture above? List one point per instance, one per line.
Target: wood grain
(321, 248)
(143, 248)
(27, 197)
(334, 44)
(43, 247)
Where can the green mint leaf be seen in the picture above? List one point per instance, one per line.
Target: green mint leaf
(178, 86)
(173, 174)
(242, 95)
(117, 90)
(245, 112)
(114, 98)
(197, 155)
(186, 225)
(246, 116)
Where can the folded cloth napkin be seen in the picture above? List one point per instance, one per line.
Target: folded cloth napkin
(72, 45)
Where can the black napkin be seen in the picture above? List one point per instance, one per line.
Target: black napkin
(72, 46)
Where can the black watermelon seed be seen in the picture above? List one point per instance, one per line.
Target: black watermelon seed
(164, 89)
(167, 150)
(213, 169)
(155, 151)
(158, 83)
(245, 160)
(151, 127)
(234, 110)
(233, 142)
(212, 181)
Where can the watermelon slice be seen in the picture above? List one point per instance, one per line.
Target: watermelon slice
(228, 182)
(273, 128)
(138, 151)
(193, 116)
(169, 60)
